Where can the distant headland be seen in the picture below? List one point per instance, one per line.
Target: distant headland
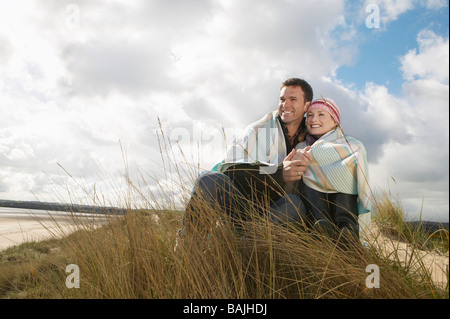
(61, 207)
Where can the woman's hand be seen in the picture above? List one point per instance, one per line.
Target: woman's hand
(295, 164)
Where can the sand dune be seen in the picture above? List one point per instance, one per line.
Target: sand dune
(436, 264)
(21, 225)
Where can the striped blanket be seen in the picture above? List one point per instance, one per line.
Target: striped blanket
(261, 142)
(339, 165)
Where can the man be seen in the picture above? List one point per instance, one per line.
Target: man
(260, 161)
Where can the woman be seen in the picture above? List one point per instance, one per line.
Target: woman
(335, 187)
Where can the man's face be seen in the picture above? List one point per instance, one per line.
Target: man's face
(292, 106)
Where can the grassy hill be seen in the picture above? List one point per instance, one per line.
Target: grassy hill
(139, 255)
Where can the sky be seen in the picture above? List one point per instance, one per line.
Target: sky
(124, 102)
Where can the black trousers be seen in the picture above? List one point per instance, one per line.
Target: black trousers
(338, 209)
(216, 188)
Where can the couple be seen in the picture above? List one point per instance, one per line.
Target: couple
(306, 168)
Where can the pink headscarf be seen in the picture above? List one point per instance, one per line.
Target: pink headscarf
(328, 105)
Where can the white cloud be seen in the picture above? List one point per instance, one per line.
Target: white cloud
(69, 93)
(420, 165)
(432, 60)
(434, 4)
(391, 10)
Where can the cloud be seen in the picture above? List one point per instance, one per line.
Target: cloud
(434, 4)
(78, 77)
(99, 68)
(432, 60)
(391, 10)
(5, 50)
(424, 116)
(406, 136)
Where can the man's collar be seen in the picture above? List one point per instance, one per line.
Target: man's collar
(286, 131)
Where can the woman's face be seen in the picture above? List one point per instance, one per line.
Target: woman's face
(319, 122)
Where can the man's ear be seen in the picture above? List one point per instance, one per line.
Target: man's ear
(307, 104)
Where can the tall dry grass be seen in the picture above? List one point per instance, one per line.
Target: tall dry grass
(141, 255)
(134, 256)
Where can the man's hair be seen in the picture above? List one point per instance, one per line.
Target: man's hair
(306, 88)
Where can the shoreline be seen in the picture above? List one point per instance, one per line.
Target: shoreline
(20, 225)
(63, 207)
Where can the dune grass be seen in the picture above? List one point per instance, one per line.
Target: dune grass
(140, 255)
(391, 218)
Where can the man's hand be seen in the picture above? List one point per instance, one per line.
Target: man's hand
(295, 164)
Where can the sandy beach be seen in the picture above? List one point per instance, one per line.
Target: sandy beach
(19, 225)
(436, 264)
